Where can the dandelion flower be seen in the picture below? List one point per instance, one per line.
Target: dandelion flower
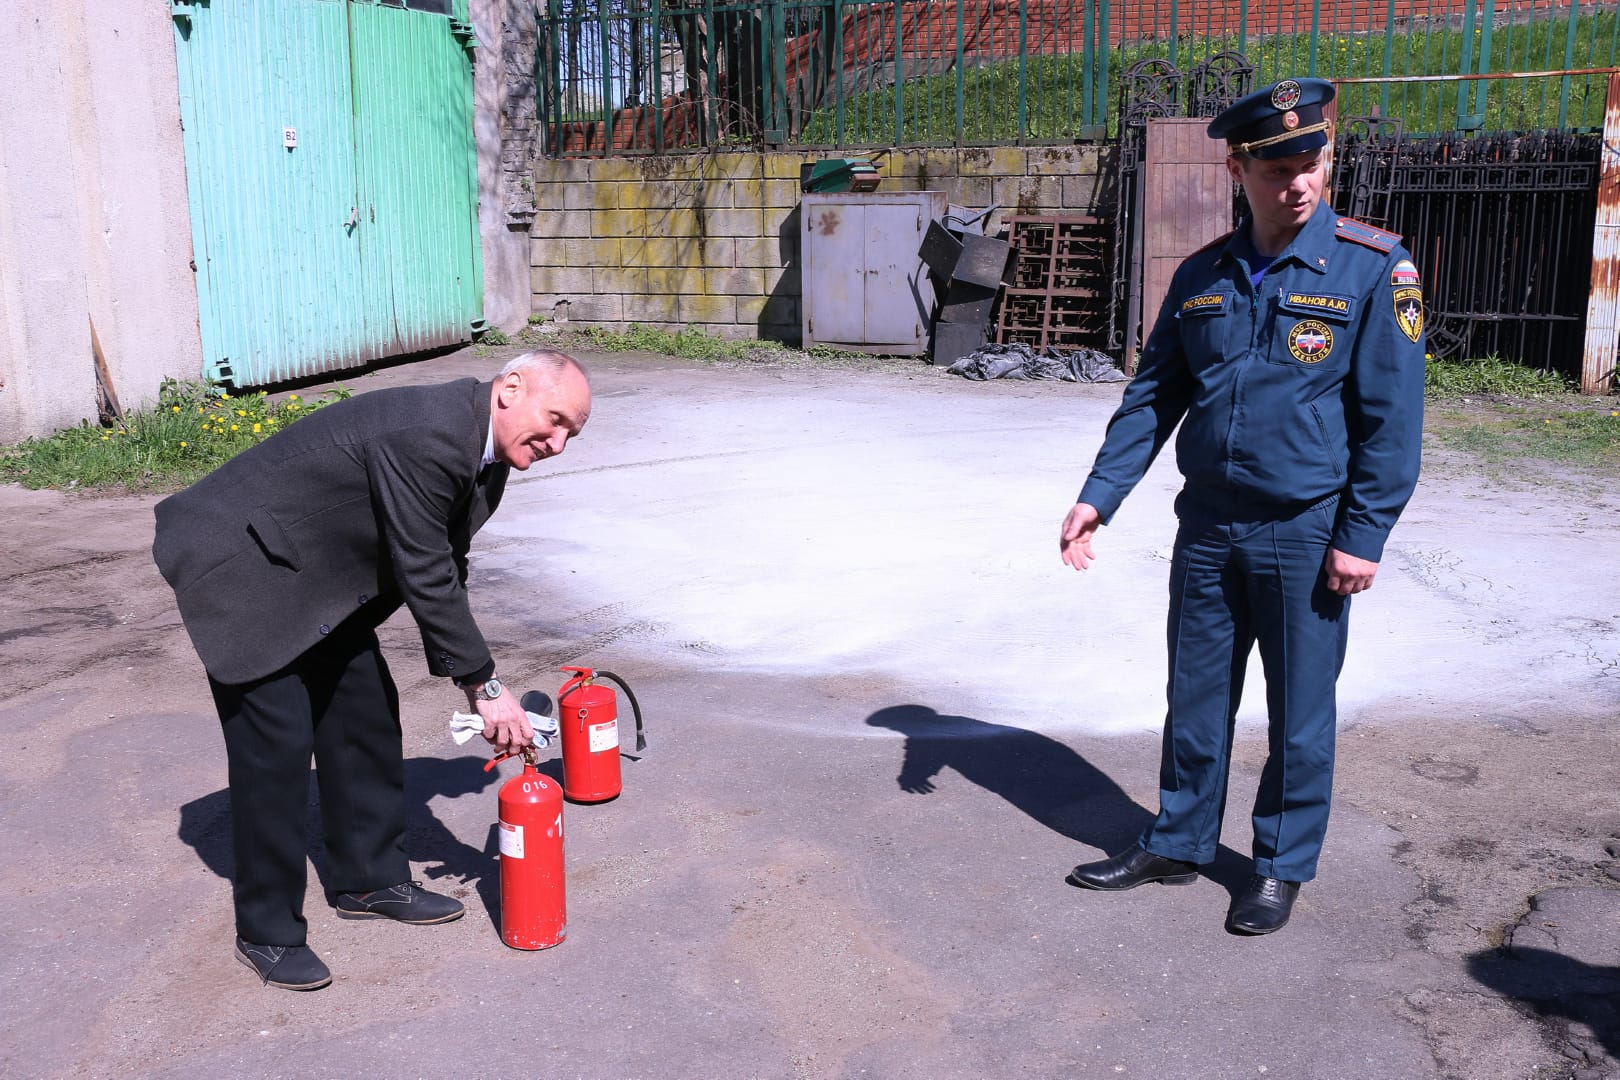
(292, 397)
(174, 408)
(104, 438)
(238, 427)
(182, 443)
(225, 395)
(241, 412)
(255, 429)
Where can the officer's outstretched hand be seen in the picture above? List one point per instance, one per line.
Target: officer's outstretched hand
(1347, 574)
(1074, 541)
(506, 726)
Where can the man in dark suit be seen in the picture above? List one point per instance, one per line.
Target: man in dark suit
(284, 561)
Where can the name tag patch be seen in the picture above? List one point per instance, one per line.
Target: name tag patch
(1329, 304)
(1310, 342)
(1205, 304)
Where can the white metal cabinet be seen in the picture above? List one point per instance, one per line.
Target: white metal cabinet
(864, 285)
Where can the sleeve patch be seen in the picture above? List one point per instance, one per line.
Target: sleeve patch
(1359, 232)
(1409, 311)
(1404, 273)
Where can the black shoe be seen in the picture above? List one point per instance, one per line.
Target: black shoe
(1131, 868)
(1263, 907)
(291, 967)
(406, 903)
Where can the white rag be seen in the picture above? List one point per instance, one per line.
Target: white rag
(464, 726)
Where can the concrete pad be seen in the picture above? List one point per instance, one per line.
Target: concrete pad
(884, 721)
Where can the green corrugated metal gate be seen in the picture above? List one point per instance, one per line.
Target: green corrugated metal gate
(332, 179)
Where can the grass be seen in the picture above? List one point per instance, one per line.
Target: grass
(1053, 86)
(1501, 412)
(691, 343)
(193, 429)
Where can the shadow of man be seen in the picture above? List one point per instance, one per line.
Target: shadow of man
(1039, 775)
(205, 826)
(1560, 989)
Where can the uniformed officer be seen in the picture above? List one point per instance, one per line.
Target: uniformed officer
(1291, 353)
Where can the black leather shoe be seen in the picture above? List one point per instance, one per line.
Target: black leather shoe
(1131, 868)
(406, 903)
(290, 967)
(1263, 907)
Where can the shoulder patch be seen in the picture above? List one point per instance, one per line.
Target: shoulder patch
(1359, 232)
(1213, 244)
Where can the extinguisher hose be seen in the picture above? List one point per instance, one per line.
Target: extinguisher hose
(635, 707)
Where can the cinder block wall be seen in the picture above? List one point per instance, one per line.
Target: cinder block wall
(711, 241)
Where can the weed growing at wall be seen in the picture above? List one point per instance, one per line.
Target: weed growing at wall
(193, 429)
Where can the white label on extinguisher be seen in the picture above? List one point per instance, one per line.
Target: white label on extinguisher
(511, 841)
(604, 736)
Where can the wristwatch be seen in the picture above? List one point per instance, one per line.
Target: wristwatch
(489, 690)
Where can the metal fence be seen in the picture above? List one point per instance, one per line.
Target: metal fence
(628, 76)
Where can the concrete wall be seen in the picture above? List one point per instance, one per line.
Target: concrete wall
(507, 131)
(712, 240)
(93, 218)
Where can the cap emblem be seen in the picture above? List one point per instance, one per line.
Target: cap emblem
(1285, 95)
(1290, 120)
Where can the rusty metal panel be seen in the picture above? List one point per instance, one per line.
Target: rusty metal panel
(1603, 308)
(1187, 203)
(865, 286)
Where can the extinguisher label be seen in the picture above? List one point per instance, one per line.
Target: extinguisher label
(511, 841)
(604, 736)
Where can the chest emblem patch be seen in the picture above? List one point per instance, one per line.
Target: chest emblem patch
(1310, 341)
(1409, 311)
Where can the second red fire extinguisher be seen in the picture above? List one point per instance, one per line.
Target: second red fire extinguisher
(588, 717)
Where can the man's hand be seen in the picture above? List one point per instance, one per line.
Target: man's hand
(1347, 574)
(506, 727)
(1074, 541)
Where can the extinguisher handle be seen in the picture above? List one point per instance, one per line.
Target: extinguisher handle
(527, 753)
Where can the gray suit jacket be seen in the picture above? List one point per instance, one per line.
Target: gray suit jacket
(366, 504)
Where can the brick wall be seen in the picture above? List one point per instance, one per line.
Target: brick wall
(711, 240)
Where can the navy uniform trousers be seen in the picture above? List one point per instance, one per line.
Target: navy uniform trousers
(338, 702)
(1240, 578)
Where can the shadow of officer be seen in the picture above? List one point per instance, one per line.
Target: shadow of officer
(1561, 989)
(205, 826)
(1039, 775)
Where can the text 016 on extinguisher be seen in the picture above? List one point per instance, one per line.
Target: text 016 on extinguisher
(588, 718)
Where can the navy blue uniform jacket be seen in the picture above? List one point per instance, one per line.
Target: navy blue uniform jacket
(365, 504)
(1311, 385)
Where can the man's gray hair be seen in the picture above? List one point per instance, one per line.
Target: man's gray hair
(545, 361)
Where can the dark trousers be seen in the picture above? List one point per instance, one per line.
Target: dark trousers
(338, 703)
(1238, 580)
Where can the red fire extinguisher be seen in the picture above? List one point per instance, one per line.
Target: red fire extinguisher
(534, 912)
(588, 717)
